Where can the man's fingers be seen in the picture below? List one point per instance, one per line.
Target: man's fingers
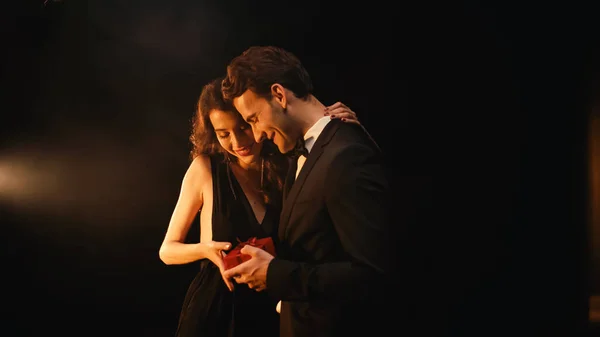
(256, 287)
(250, 250)
(229, 284)
(231, 273)
(226, 279)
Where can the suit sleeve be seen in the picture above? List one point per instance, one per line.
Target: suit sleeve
(357, 198)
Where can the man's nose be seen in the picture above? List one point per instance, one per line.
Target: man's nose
(259, 136)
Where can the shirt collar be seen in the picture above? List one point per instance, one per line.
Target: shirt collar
(313, 133)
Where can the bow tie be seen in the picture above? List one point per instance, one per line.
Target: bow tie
(299, 150)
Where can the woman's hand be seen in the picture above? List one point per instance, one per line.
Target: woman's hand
(215, 251)
(339, 110)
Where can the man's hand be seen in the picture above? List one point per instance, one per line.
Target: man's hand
(252, 272)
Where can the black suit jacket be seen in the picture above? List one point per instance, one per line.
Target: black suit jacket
(334, 258)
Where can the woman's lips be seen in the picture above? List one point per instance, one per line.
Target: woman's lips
(244, 151)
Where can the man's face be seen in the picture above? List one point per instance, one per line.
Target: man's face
(268, 119)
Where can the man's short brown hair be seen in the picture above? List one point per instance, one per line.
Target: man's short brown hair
(259, 67)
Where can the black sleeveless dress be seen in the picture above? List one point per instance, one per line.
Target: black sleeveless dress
(209, 308)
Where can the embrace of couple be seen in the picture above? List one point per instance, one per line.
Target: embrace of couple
(270, 160)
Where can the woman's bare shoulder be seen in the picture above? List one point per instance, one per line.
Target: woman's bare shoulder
(199, 170)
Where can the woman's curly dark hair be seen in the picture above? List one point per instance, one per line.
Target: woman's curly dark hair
(204, 141)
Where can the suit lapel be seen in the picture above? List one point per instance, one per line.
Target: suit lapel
(293, 192)
(289, 179)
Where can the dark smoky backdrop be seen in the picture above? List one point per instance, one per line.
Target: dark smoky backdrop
(481, 109)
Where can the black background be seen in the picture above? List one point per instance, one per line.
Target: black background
(481, 107)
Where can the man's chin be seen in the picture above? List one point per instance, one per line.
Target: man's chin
(285, 149)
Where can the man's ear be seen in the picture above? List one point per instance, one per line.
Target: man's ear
(279, 94)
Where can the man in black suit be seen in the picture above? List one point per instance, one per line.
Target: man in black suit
(333, 266)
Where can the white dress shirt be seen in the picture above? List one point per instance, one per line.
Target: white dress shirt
(310, 137)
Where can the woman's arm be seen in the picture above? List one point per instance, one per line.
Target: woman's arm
(174, 250)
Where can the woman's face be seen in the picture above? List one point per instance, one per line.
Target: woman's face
(235, 135)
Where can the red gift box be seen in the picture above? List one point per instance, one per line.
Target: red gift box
(235, 257)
